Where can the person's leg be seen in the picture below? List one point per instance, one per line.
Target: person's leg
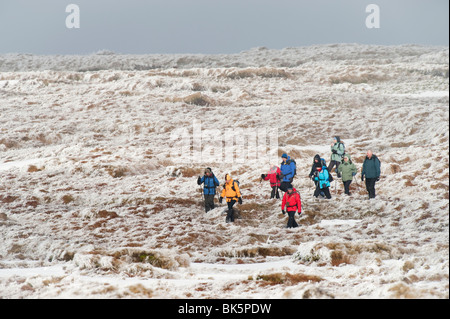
(331, 165)
(317, 190)
(272, 194)
(371, 186)
(326, 190)
(209, 203)
(336, 170)
(212, 205)
(347, 187)
(291, 221)
(230, 213)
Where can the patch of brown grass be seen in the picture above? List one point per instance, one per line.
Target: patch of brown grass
(191, 172)
(198, 99)
(440, 186)
(402, 291)
(286, 279)
(116, 172)
(258, 252)
(9, 143)
(355, 78)
(140, 290)
(8, 199)
(338, 258)
(67, 199)
(394, 168)
(252, 206)
(402, 144)
(258, 72)
(107, 214)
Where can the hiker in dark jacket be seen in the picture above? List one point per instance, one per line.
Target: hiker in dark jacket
(318, 164)
(209, 188)
(371, 170)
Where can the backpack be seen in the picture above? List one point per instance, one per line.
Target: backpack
(234, 183)
(291, 160)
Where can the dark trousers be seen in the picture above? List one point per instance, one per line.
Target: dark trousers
(275, 193)
(370, 186)
(330, 167)
(347, 187)
(325, 190)
(230, 213)
(209, 202)
(291, 221)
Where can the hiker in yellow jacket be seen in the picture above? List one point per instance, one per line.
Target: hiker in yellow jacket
(232, 193)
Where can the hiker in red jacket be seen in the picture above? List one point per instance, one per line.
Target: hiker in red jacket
(292, 203)
(274, 177)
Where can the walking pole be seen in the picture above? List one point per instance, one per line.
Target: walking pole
(202, 195)
(356, 181)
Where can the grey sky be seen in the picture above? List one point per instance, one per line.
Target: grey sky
(214, 26)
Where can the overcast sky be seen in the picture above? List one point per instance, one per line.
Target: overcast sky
(214, 26)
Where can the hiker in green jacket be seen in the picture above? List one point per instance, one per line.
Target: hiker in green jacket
(337, 150)
(347, 170)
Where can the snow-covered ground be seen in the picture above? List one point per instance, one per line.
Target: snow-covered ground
(93, 203)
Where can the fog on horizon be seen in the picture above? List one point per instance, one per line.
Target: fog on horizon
(201, 26)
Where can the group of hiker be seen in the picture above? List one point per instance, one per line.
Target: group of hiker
(230, 191)
(281, 179)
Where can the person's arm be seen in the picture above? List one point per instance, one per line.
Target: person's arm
(238, 191)
(378, 167)
(289, 173)
(224, 192)
(216, 181)
(299, 204)
(363, 173)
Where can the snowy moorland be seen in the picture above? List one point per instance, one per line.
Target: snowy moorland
(93, 203)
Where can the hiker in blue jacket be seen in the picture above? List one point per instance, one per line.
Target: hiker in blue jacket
(322, 177)
(288, 170)
(210, 182)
